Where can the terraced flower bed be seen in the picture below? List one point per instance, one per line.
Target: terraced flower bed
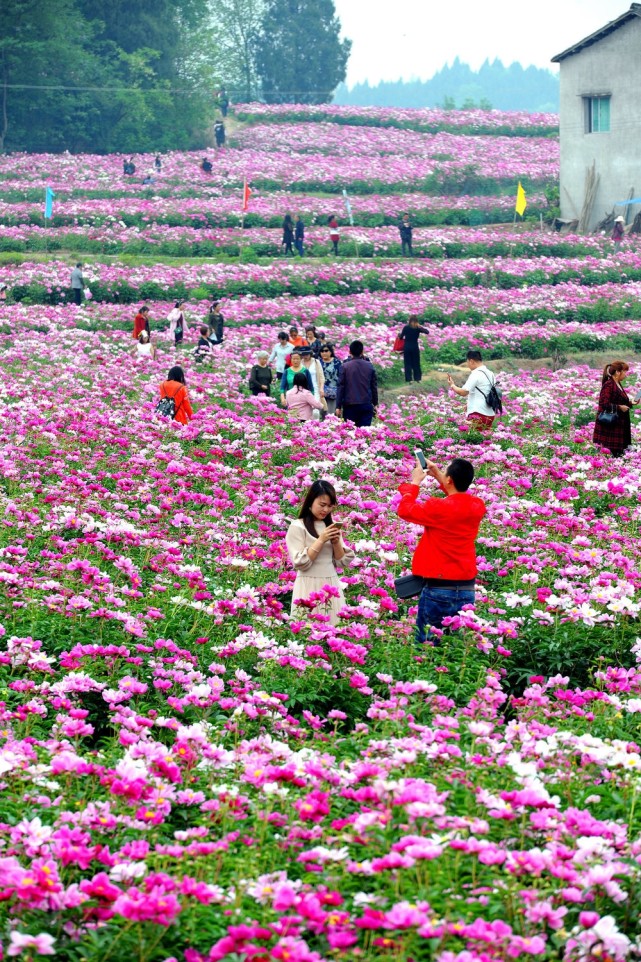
(188, 773)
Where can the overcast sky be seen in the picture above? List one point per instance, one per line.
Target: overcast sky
(415, 38)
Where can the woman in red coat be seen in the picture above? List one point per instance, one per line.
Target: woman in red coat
(176, 388)
(616, 436)
(141, 322)
(334, 236)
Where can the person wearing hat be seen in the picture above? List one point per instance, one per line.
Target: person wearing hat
(618, 231)
(261, 376)
(295, 367)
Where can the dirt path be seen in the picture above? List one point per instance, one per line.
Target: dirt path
(435, 378)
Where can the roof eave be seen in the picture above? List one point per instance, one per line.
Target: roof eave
(634, 11)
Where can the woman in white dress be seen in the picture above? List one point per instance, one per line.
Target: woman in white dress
(144, 347)
(315, 544)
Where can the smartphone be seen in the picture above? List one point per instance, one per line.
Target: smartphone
(420, 457)
(338, 524)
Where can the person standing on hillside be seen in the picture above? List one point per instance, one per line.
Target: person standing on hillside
(334, 235)
(299, 238)
(405, 230)
(288, 234)
(357, 393)
(446, 554)
(141, 322)
(77, 283)
(219, 133)
(411, 352)
(216, 322)
(476, 390)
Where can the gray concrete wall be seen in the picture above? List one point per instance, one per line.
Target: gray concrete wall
(610, 66)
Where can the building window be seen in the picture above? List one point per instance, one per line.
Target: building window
(597, 115)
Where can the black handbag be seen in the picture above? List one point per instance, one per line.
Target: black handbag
(608, 417)
(408, 586)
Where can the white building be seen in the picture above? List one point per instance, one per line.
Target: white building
(600, 121)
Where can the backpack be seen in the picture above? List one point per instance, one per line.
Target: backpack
(494, 397)
(166, 407)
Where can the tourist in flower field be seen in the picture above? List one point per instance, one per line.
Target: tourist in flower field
(223, 101)
(158, 162)
(144, 347)
(295, 367)
(405, 230)
(141, 322)
(334, 235)
(206, 165)
(315, 370)
(331, 369)
(288, 234)
(216, 322)
(357, 393)
(296, 339)
(261, 376)
(77, 283)
(613, 430)
(175, 387)
(177, 322)
(313, 340)
(446, 554)
(280, 353)
(219, 133)
(315, 544)
(411, 353)
(205, 347)
(301, 403)
(476, 390)
(618, 230)
(299, 236)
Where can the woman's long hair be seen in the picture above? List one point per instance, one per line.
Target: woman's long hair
(177, 374)
(317, 490)
(613, 368)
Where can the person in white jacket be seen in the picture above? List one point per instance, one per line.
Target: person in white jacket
(281, 352)
(177, 322)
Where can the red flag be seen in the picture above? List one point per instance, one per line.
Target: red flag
(246, 194)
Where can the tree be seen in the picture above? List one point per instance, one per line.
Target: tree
(43, 70)
(298, 53)
(238, 25)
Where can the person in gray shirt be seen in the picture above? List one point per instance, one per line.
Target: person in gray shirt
(77, 283)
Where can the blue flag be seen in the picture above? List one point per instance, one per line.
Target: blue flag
(49, 196)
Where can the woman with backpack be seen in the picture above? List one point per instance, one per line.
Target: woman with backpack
(174, 400)
(177, 322)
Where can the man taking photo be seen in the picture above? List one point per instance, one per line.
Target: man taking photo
(446, 555)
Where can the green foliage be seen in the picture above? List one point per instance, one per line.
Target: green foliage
(91, 75)
(298, 53)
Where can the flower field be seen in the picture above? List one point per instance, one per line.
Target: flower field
(187, 774)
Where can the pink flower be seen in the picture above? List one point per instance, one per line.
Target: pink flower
(42, 944)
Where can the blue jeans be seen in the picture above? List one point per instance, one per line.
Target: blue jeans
(435, 604)
(298, 244)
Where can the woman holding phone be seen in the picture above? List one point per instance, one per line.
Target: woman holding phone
(315, 544)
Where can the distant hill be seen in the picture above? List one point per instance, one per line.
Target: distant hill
(457, 85)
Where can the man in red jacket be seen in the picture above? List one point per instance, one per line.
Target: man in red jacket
(446, 555)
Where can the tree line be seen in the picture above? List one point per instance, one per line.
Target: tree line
(142, 75)
(458, 86)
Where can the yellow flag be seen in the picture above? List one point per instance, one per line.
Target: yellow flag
(521, 202)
